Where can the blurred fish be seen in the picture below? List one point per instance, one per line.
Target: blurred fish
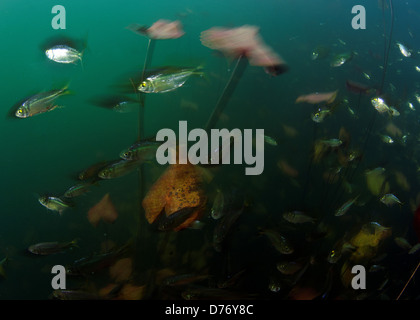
(118, 169)
(78, 189)
(320, 115)
(417, 68)
(403, 243)
(280, 243)
(217, 210)
(184, 279)
(386, 139)
(345, 207)
(342, 247)
(318, 97)
(274, 284)
(389, 199)
(63, 294)
(393, 112)
(117, 103)
(144, 150)
(358, 88)
(92, 171)
(298, 217)
(366, 75)
(410, 105)
(333, 143)
(167, 79)
(54, 203)
(403, 49)
(414, 249)
(379, 104)
(47, 248)
(174, 220)
(320, 52)
(95, 262)
(270, 140)
(341, 59)
(40, 103)
(417, 96)
(231, 280)
(288, 267)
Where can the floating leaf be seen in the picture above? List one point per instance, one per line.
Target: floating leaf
(177, 188)
(103, 210)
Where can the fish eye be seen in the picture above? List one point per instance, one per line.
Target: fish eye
(143, 84)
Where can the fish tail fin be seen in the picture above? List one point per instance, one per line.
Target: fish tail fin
(65, 90)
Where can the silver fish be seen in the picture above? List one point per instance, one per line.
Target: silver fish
(297, 217)
(167, 79)
(54, 203)
(345, 207)
(40, 103)
(63, 54)
(389, 199)
(404, 51)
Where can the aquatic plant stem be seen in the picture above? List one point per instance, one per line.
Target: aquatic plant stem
(241, 64)
(140, 135)
(412, 275)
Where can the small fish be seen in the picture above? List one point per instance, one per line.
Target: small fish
(389, 199)
(404, 51)
(298, 217)
(63, 54)
(341, 59)
(366, 75)
(174, 220)
(417, 68)
(118, 169)
(167, 79)
(337, 252)
(120, 104)
(320, 115)
(345, 207)
(40, 103)
(386, 139)
(289, 267)
(379, 104)
(393, 112)
(63, 294)
(231, 280)
(218, 205)
(54, 203)
(92, 171)
(270, 141)
(274, 285)
(417, 96)
(183, 279)
(319, 52)
(410, 105)
(280, 243)
(333, 143)
(78, 189)
(341, 41)
(47, 248)
(144, 150)
(403, 243)
(414, 249)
